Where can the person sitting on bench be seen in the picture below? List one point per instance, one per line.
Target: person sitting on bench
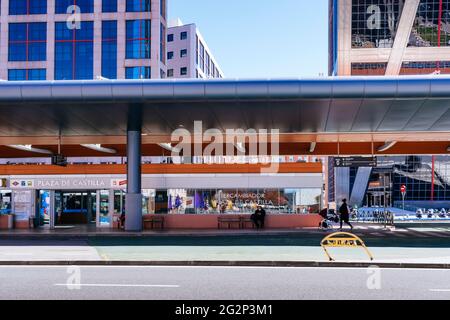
(258, 217)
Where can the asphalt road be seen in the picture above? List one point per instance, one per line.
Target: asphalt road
(220, 283)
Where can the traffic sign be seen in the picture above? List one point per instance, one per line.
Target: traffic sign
(341, 162)
(59, 160)
(403, 189)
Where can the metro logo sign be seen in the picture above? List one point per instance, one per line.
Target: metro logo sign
(118, 183)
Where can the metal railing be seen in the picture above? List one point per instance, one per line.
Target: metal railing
(373, 216)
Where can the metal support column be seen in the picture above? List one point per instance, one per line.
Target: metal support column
(133, 198)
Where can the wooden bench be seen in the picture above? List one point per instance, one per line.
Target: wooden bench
(245, 220)
(153, 221)
(229, 221)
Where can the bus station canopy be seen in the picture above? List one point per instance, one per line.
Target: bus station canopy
(322, 110)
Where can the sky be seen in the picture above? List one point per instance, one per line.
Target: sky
(261, 38)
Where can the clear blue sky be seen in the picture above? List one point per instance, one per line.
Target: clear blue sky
(261, 38)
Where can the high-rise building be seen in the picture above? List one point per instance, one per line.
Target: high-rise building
(389, 37)
(188, 55)
(82, 39)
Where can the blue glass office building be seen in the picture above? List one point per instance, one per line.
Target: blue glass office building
(83, 39)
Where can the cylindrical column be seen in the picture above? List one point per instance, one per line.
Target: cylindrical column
(133, 198)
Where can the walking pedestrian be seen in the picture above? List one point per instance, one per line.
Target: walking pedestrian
(345, 214)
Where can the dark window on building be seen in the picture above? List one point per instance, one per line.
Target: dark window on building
(138, 39)
(183, 35)
(63, 6)
(162, 43)
(369, 69)
(74, 51)
(27, 41)
(139, 5)
(183, 71)
(109, 5)
(425, 67)
(109, 49)
(170, 55)
(183, 53)
(170, 73)
(26, 74)
(138, 73)
(170, 38)
(20, 7)
(163, 8)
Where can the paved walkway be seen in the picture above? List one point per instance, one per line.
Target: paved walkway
(412, 244)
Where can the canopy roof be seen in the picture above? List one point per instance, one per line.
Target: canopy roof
(323, 105)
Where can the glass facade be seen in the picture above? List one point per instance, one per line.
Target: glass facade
(109, 49)
(74, 51)
(26, 74)
(5, 201)
(375, 22)
(63, 6)
(162, 43)
(429, 67)
(369, 69)
(138, 5)
(138, 73)
(431, 26)
(230, 201)
(27, 41)
(25, 7)
(427, 177)
(109, 5)
(138, 39)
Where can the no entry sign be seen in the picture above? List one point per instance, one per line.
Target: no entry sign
(403, 190)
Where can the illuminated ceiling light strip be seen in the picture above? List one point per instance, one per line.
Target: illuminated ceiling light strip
(169, 147)
(29, 148)
(387, 146)
(99, 148)
(312, 147)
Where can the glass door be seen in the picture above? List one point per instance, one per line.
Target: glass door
(103, 212)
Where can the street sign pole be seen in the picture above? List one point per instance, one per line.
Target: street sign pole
(403, 191)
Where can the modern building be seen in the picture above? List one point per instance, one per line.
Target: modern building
(137, 118)
(188, 55)
(82, 39)
(389, 37)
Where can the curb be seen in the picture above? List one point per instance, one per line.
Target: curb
(281, 264)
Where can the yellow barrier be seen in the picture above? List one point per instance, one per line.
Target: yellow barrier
(343, 240)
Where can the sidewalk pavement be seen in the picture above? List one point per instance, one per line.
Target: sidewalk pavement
(409, 246)
(98, 253)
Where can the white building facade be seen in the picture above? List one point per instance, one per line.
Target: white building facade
(188, 55)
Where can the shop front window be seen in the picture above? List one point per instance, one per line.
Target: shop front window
(148, 201)
(104, 208)
(231, 201)
(119, 201)
(5, 201)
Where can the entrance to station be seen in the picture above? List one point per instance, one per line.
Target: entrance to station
(66, 208)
